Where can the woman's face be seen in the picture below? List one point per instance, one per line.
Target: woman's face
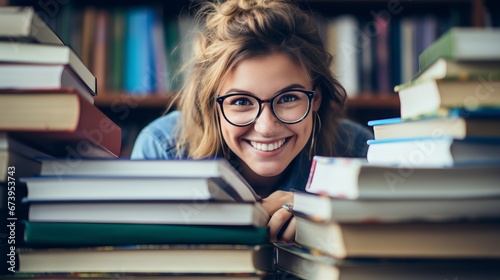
(263, 77)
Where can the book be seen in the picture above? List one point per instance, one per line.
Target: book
(432, 97)
(463, 43)
(140, 276)
(60, 122)
(192, 212)
(92, 188)
(103, 234)
(205, 168)
(457, 127)
(323, 208)
(25, 25)
(152, 259)
(355, 178)
(477, 239)
(18, 165)
(434, 151)
(45, 77)
(139, 60)
(296, 260)
(24, 159)
(450, 69)
(47, 54)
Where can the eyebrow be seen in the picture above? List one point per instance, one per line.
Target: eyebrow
(235, 90)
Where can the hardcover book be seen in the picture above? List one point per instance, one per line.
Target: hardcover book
(191, 212)
(354, 178)
(152, 259)
(33, 53)
(106, 234)
(58, 121)
(205, 168)
(25, 25)
(296, 260)
(463, 43)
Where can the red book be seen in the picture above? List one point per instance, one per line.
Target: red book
(59, 122)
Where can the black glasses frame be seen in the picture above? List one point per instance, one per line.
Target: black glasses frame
(309, 93)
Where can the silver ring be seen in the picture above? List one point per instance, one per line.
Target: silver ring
(287, 207)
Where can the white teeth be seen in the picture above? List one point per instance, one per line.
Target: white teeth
(267, 147)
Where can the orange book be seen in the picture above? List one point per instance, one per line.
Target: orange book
(60, 122)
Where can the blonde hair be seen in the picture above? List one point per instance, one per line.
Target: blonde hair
(236, 30)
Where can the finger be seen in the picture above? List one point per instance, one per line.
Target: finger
(289, 233)
(278, 219)
(274, 201)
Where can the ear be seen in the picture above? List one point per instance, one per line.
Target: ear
(316, 102)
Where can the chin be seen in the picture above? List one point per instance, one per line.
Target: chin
(268, 170)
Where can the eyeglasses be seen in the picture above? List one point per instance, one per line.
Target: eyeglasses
(289, 106)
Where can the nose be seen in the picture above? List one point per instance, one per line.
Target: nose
(266, 123)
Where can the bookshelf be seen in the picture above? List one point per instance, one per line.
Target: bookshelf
(366, 102)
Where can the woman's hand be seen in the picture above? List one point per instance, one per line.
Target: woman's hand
(282, 223)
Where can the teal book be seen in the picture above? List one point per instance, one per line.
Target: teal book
(94, 234)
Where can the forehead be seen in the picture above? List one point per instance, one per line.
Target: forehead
(265, 75)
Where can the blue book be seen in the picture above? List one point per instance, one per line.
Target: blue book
(139, 59)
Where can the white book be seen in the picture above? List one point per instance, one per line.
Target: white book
(182, 212)
(23, 24)
(355, 178)
(342, 43)
(12, 52)
(218, 169)
(42, 77)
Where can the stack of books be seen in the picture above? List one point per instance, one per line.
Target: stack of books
(450, 111)
(144, 218)
(425, 203)
(47, 92)
(46, 110)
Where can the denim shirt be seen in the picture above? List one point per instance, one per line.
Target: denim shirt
(158, 141)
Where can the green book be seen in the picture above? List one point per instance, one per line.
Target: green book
(463, 43)
(102, 234)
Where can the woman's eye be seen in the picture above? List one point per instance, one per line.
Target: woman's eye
(242, 101)
(286, 98)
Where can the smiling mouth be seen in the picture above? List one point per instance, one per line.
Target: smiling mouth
(268, 147)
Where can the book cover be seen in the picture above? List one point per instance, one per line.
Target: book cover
(47, 54)
(187, 212)
(438, 151)
(23, 24)
(463, 43)
(102, 234)
(354, 178)
(139, 54)
(204, 168)
(432, 240)
(42, 77)
(437, 97)
(299, 261)
(100, 188)
(458, 127)
(324, 208)
(153, 259)
(59, 123)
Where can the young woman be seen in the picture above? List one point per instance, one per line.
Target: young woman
(260, 94)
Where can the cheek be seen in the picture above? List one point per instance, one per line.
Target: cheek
(231, 133)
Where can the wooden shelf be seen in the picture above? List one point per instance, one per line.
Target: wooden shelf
(364, 100)
(374, 101)
(134, 101)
